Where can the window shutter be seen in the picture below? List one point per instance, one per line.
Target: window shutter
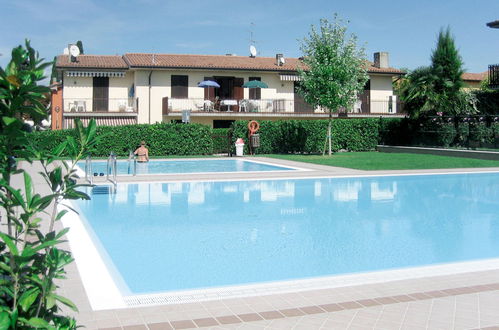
(255, 93)
(180, 87)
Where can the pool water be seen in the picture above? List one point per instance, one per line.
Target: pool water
(174, 236)
(185, 166)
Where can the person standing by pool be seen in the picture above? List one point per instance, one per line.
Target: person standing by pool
(142, 153)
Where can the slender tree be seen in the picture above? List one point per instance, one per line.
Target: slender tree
(53, 74)
(447, 67)
(80, 46)
(438, 88)
(334, 71)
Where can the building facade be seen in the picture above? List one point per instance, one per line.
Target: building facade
(150, 88)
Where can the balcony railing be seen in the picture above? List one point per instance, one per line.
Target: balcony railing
(245, 105)
(276, 106)
(100, 105)
(494, 76)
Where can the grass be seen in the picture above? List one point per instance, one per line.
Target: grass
(371, 161)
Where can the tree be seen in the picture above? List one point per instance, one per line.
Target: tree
(80, 46)
(447, 68)
(31, 261)
(438, 88)
(335, 69)
(53, 74)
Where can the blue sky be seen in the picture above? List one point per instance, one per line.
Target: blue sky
(405, 29)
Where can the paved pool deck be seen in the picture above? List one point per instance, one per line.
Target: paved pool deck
(465, 299)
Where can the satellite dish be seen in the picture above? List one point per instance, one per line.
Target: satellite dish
(66, 51)
(282, 61)
(74, 50)
(252, 51)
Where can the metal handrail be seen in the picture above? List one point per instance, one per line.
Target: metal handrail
(88, 170)
(111, 168)
(131, 155)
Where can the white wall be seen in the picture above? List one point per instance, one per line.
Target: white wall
(161, 87)
(381, 90)
(81, 89)
(77, 89)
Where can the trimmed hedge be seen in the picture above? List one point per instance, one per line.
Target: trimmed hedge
(162, 139)
(308, 136)
(220, 137)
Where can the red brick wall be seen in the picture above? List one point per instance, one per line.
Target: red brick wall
(56, 111)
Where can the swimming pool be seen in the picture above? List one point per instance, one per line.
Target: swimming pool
(187, 166)
(174, 236)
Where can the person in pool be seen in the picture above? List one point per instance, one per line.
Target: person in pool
(142, 153)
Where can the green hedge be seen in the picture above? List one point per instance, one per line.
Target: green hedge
(308, 136)
(221, 143)
(162, 139)
(477, 131)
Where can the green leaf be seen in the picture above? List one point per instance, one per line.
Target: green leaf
(66, 302)
(10, 243)
(38, 322)
(28, 298)
(28, 187)
(4, 320)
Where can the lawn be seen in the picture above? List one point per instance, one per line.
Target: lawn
(388, 161)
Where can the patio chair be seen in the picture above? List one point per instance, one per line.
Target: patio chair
(80, 106)
(243, 105)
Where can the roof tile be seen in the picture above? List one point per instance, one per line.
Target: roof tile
(215, 62)
(92, 61)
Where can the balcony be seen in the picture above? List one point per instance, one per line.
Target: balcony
(276, 107)
(245, 105)
(107, 105)
(494, 76)
(106, 112)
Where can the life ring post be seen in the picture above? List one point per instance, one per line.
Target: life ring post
(253, 127)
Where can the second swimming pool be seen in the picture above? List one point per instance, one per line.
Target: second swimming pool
(187, 166)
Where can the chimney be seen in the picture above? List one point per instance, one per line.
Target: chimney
(381, 60)
(279, 59)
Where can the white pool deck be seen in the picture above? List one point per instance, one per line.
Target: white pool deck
(453, 296)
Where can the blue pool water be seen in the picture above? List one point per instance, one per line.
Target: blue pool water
(172, 236)
(185, 166)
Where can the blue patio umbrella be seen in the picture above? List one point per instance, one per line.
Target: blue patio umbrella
(208, 83)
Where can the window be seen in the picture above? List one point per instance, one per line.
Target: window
(180, 87)
(255, 93)
(222, 123)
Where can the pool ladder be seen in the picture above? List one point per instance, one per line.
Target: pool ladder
(111, 169)
(132, 169)
(88, 170)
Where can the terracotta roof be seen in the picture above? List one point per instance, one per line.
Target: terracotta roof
(214, 62)
(469, 76)
(209, 62)
(92, 61)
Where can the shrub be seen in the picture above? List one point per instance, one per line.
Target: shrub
(220, 137)
(162, 139)
(479, 132)
(308, 136)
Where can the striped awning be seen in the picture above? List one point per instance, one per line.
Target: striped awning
(101, 121)
(289, 77)
(117, 74)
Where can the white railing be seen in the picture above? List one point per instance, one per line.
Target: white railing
(112, 104)
(245, 105)
(111, 168)
(88, 170)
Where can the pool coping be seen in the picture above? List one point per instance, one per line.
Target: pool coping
(81, 172)
(104, 293)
